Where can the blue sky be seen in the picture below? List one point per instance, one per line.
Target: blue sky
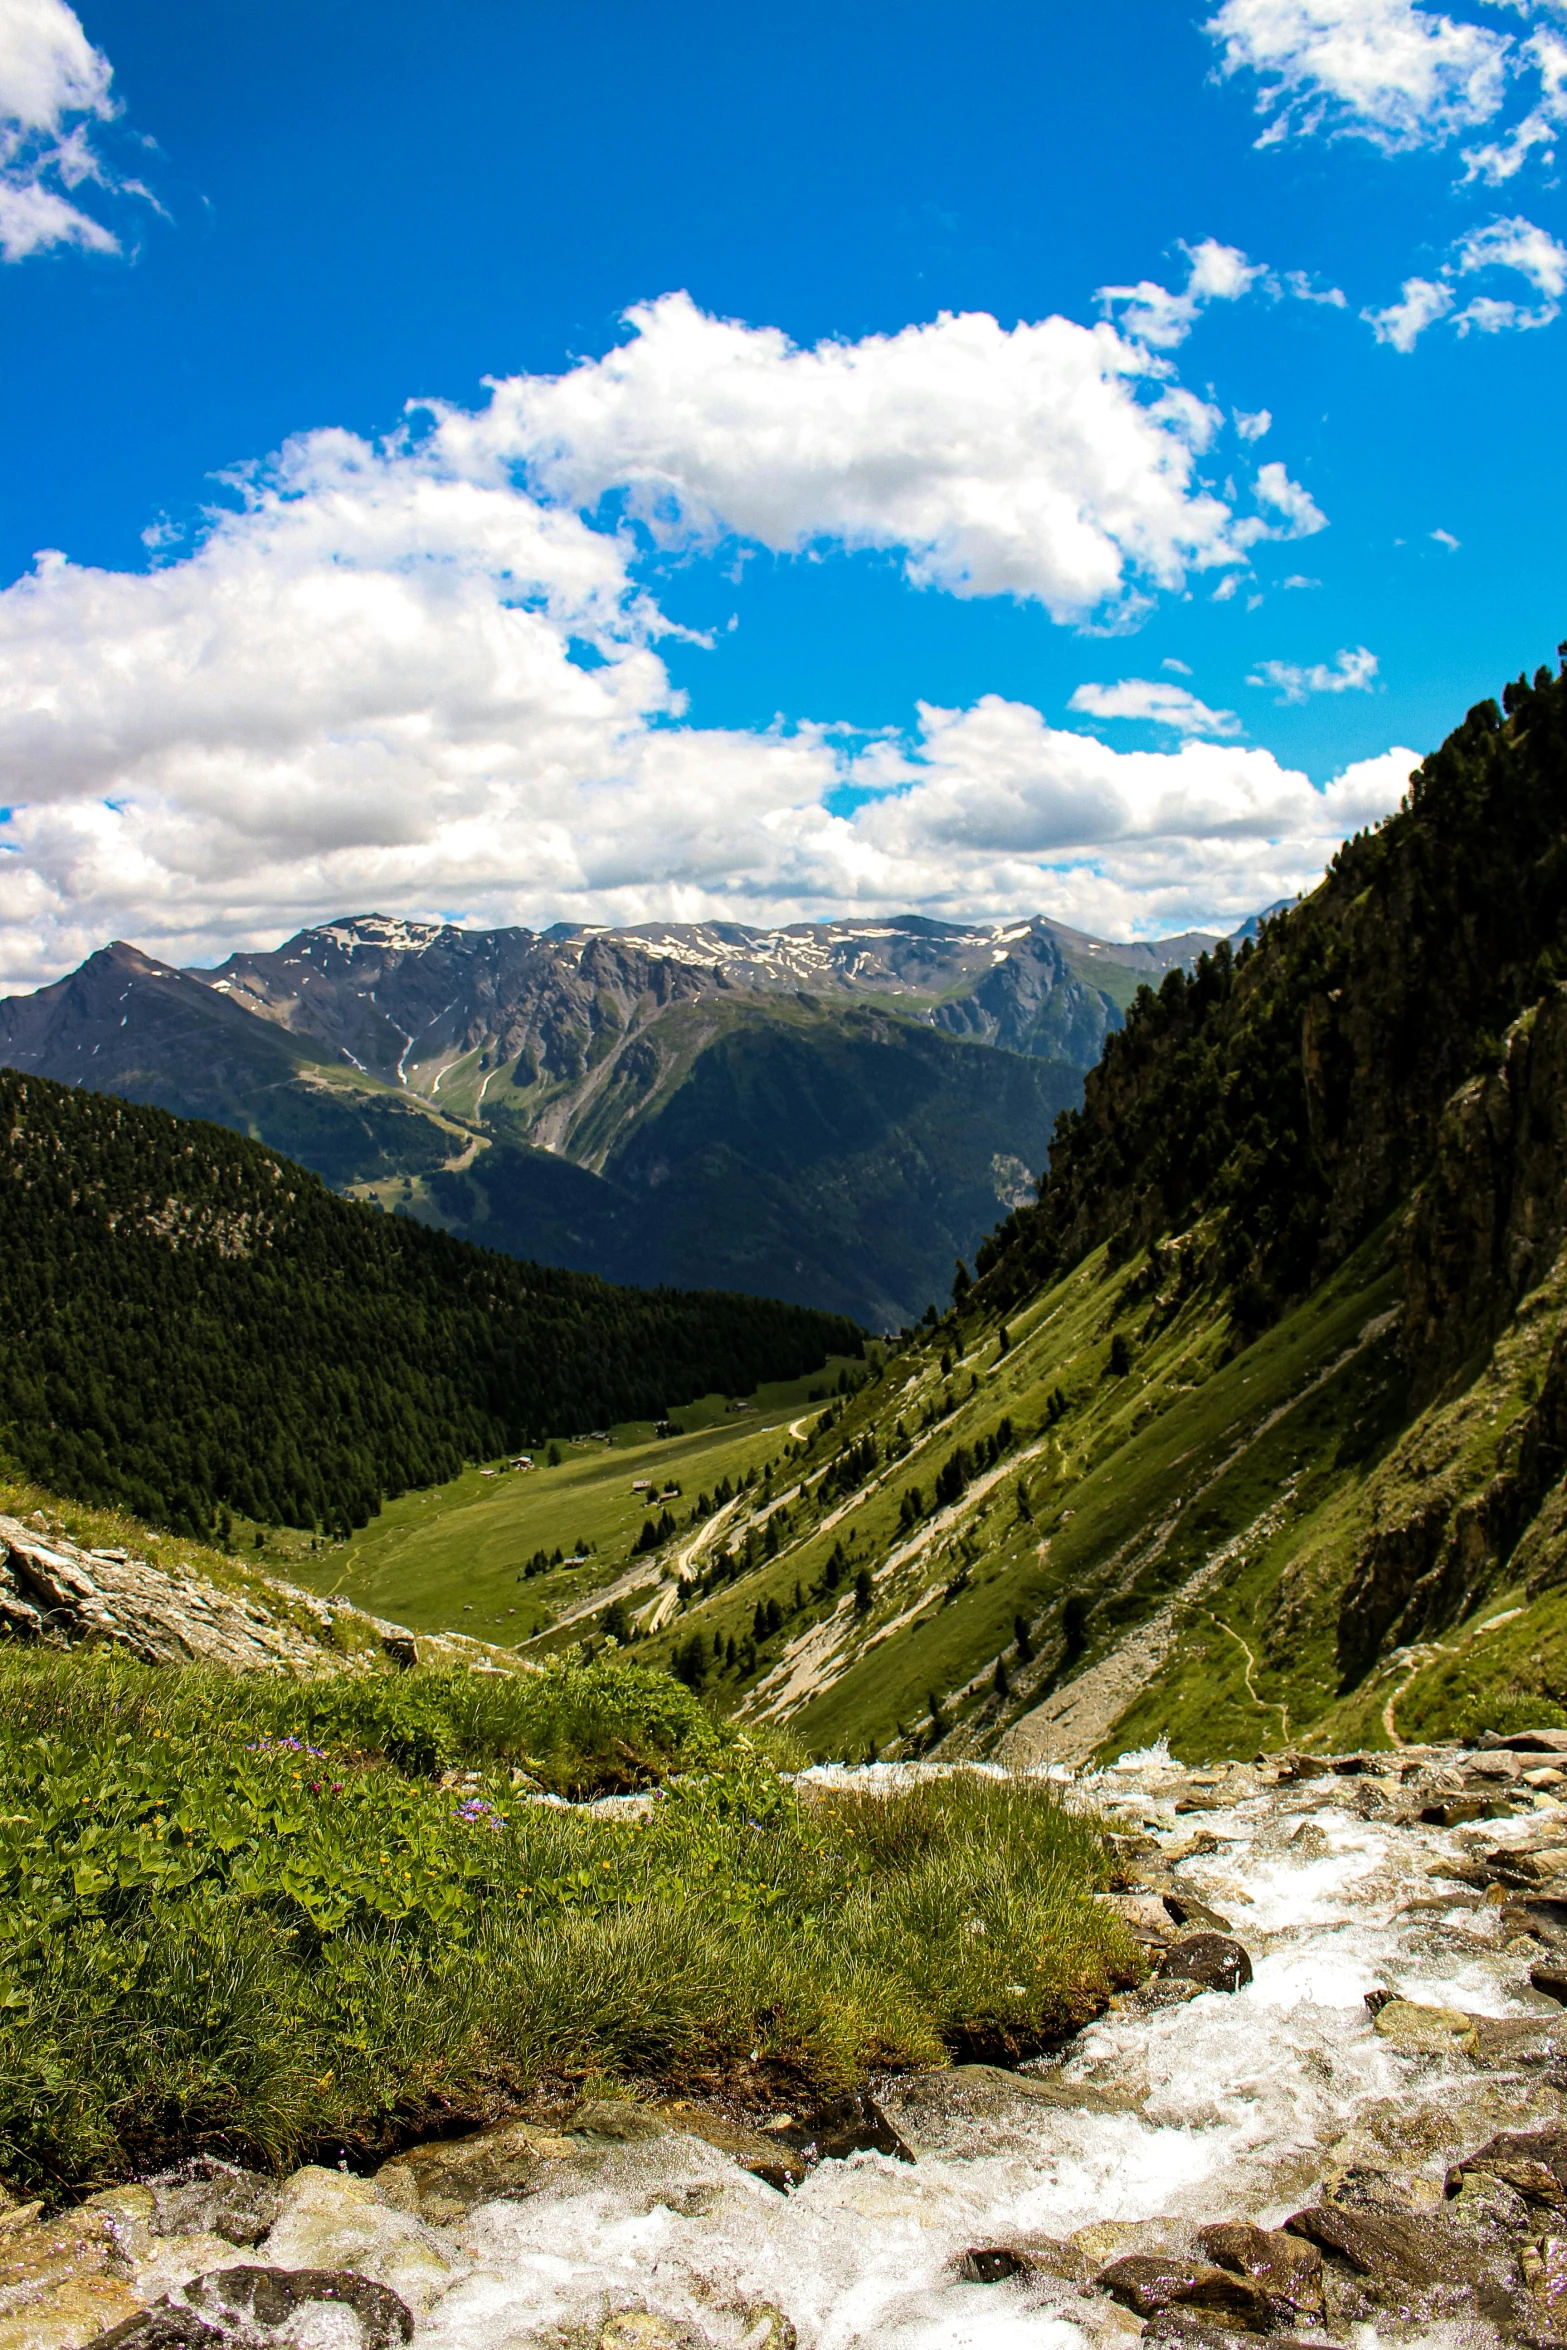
(961, 610)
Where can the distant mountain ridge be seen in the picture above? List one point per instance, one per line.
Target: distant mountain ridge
(412, 1001)
(829, 1112)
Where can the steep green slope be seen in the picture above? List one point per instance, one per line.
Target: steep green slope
(1035, 1481)
(1255, 1429)
(192, 1323)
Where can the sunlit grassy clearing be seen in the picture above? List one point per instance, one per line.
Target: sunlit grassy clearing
(452, 1558)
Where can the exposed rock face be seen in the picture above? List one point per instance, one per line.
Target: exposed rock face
(1490, 1218)
(53, 1591)
(1032, 1003)
(370, 985)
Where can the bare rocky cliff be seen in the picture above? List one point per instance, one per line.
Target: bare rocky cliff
(1475, 1486)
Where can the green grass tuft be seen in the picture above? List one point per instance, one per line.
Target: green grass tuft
(247, 1916)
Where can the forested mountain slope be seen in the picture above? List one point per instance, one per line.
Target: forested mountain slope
(1292, 1094)
(839, 1157)
(191, 1322)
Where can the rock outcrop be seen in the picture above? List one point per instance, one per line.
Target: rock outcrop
(1489, 1220)
(55, 1593)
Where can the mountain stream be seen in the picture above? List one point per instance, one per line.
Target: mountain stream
(1157, 2121)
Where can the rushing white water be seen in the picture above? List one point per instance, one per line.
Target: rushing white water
(1239, 2106)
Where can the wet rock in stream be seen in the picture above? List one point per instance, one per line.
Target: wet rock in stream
(1214, 1962)
(444, 2179)
(166, 2327)
(1538, 1916)
(603, 2123)
(994, 2264)
(1286, 2270)
(1151, 2282)
(332, 2221)
(1405, 2265)
(1531, 2162)
(213, 2198)
(843, 2126)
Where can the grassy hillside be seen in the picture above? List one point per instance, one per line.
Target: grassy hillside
(467, 1553)
(1130, 1484)
(194, 1325)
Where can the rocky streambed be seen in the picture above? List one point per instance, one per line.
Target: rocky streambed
(1334, 2114)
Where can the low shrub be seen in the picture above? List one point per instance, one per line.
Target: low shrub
(245, 1915)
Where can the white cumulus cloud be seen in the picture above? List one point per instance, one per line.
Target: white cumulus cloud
(1501, 159)
(1403, 76)
(1158, 702)
(1514, 244)
(1299, 515)
(400, 674)
(1150, 313)
(54, 90)
(1421, 302)
(1350, 671)
(1385, 70)
(1121, 841)
(1052, 462)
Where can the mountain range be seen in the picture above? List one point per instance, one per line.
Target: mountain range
(827, 1112)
